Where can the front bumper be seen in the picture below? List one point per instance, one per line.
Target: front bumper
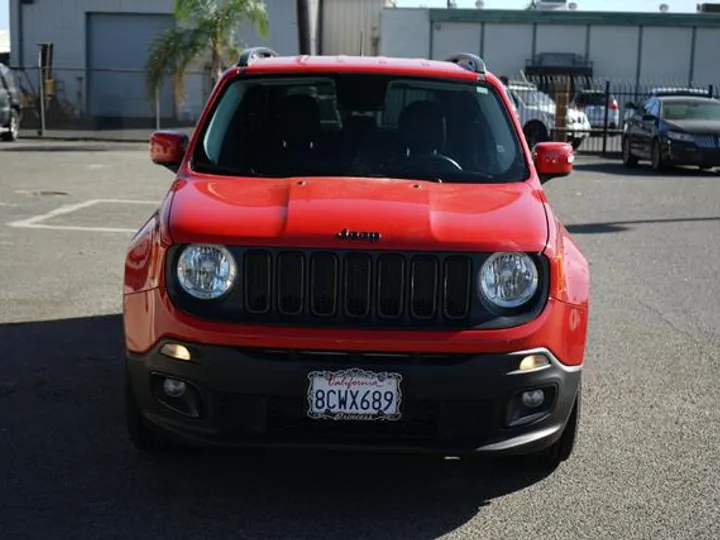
(579, 130)
(684, 153)
(454, 403)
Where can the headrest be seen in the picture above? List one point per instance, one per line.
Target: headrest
(298, 118)
(422, 127)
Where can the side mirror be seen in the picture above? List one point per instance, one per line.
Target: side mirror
(553, 159)
(167, 148)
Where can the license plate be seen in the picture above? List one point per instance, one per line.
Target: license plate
(354, 394)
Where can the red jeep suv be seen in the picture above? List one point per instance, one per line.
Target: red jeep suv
(356, 252)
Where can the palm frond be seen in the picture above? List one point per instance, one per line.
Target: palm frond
(171, 54)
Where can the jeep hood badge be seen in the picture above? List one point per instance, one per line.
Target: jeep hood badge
(362, 236)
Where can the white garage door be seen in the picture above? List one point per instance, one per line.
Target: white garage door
(117, 53)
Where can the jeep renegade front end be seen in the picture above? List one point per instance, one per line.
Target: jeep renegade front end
(356, 253)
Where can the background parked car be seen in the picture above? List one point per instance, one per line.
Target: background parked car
(667, 91)
(537, 110)
(9, 105)
(674, 130)
(592, 103)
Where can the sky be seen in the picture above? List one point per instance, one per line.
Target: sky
(676, 6)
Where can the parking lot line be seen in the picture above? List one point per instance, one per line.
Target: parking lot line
(35, 222)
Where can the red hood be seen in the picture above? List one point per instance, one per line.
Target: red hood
(310, 212)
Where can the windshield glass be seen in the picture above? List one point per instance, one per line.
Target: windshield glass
(691, 110)
(534, 98)
(361, 125)
(594, 99)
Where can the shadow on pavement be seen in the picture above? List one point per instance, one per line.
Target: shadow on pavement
(619, 226)
(616, 167)
(67, 466)
(596, 228)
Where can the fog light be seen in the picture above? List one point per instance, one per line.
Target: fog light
(534, 361)
(174, 388)
(176, 351)
(532, 399)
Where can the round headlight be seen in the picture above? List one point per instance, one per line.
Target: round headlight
(206, 271)
(508, 280)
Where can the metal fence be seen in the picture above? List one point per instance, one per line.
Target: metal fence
(116, 104)
(588, 112)
(105, 103)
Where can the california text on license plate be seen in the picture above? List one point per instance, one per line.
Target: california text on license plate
(354, 394)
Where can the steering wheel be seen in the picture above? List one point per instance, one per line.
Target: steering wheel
(436, 164)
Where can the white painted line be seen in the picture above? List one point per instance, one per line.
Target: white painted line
(34, 222)
(65, 209)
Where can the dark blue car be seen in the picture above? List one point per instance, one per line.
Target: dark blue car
(674, 130)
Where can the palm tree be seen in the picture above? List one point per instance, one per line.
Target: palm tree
(205, 26)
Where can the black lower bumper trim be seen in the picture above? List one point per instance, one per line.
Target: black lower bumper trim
(453, 404)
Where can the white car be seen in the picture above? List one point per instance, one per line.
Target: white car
(592, 103)
(536, 111)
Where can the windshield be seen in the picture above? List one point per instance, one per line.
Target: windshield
(594, 99)
(691, 110)
(534, 98)
(361, 125)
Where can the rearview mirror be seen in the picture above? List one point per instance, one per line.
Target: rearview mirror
(167, 148)
(553, 159)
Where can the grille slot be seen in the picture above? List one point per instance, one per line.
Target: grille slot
(358, 282)
(291, 283)
(706, 141)
(391, 286)
(357, 287)
(423, 288)
(323, 284)
(457, 283)
(258, 282)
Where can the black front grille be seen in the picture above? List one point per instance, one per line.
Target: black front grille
(357, 285)
(356, 289)
(707, 141)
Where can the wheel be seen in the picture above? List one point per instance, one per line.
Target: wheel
(535, 133)
(140, 434)
(13, 128)
(656, 158)
(562, 449)
(629, 160)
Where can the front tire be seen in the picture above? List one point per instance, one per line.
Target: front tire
(656, 158)
(629, 160)
(535, 133)
(13, 128)
(562, 449)
(139, 432)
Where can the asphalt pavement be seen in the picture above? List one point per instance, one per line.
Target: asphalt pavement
(647, 461)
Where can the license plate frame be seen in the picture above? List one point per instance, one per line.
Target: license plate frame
(359, 387)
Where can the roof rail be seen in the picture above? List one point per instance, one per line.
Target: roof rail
(471, 62)
(253, 53)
